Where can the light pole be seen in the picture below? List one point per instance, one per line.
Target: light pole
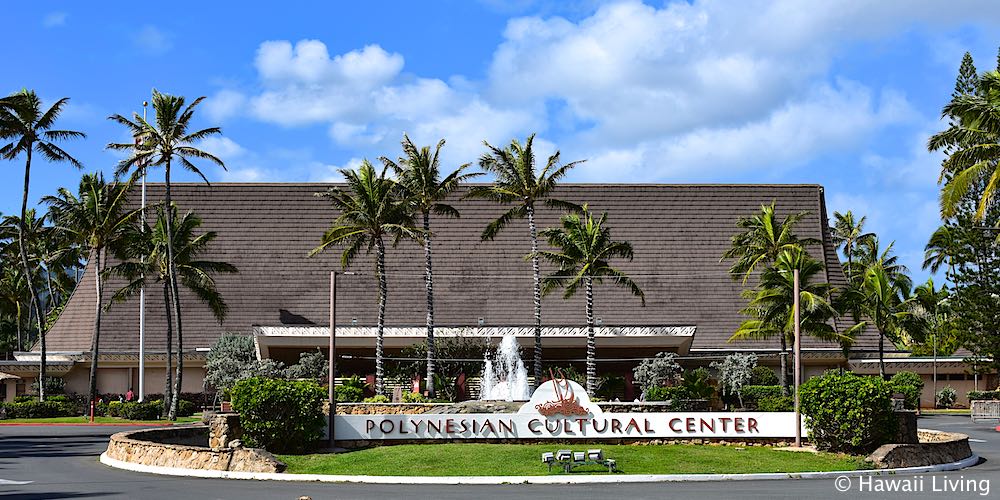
(142, 293)
(798, 359)
(333, 354)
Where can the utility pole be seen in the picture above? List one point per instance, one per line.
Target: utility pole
(798, 359)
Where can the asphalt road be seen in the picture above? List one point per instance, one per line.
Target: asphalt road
(62, 462)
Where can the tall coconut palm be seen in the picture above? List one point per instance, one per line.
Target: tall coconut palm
(763, 238)
(941, 250)
(96, 218)
(164, 143)
(370, 209)
(517, 183)
(419, 174)
(583, 251)
(771, 304)
(973, 144)
(144, 263)
(14, 296)
(848, 233)
(889, 307)
(30, 130)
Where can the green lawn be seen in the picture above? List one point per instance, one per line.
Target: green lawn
(525, 460)
(97, 420)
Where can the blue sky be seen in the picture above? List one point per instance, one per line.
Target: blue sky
(842, 95)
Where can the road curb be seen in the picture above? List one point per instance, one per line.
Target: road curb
(624, 478)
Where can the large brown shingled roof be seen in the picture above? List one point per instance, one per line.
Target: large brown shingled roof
(679, 233)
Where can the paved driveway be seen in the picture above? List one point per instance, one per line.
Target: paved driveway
(62, 462)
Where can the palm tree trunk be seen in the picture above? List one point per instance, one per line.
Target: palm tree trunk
(51, 300)
(20, 341)
(536, 274)
(174, 292)
(881, 355)
(784, 366)
(95, 341)
(21, 229)
(380, 329)
(169, 387)
(591, 340)
(429, 279)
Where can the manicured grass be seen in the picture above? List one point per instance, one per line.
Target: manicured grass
(97, 420)
(946, 411)
(525, 460)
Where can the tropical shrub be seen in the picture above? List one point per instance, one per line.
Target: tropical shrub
(762, 375)
(776, 403)
(989, 395)
(910, 385)
(147, 410)
(312, 365)
(945, 398)
(348, 394)
(283, 416)
(185, 408)
(662, 369)
(612, 388)
(848, 412)
(378, 398)
(752, 394)
(666, 393)
(413, 397)
(234, 358)
(697, 384)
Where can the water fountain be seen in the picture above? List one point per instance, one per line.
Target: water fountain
(504, 376)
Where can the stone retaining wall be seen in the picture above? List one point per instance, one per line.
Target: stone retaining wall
(934, 448)
(173, 447)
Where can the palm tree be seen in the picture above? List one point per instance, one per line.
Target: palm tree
(518, 184)
(888, 305)
(771, 304)
(941, 250)
(973, 144)
(370, 209)
(97, 219)
(163, 143)
(30, 130)
(849, 234)
(764, 237)
(14, 296)
(143, 253)
(419, 175)
(583, 250)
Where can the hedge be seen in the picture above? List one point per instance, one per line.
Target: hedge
(848, 412)
(281, 416)
(35, 409)
(754, 393)
(348, 394)
(776, 403)
(989, 395)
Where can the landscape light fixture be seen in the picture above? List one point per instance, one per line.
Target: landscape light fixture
(482, 321)
(599, 321)
(548, 457)
(595, 455)
(564, 455)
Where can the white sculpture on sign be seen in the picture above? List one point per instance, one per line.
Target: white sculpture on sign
(505, 378)
(560, 396)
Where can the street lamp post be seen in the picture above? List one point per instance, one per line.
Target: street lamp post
(333, 355)
(798, 360)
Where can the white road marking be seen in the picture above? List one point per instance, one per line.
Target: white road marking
(14, 483)
(971, 440)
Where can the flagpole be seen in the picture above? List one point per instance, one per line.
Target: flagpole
(142, 292)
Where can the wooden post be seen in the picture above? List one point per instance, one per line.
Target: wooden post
(798, 360)
(333, 355)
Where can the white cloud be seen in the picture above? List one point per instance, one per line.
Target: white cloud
(826, 119)
(54, 19)
(152, 40)
(224, 104)
(223, 148)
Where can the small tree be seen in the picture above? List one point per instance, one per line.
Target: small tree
(660, 370)
(734, 372)
(234, 358)
(312, 365)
